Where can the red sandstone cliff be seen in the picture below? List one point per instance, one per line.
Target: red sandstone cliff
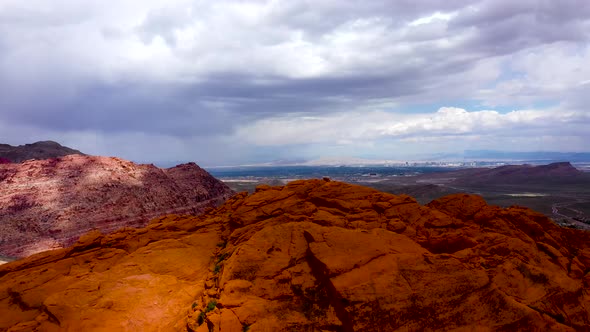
(47, 204)
(313, 256)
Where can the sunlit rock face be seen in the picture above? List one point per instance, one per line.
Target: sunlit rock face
(48, 204)
(312, 256)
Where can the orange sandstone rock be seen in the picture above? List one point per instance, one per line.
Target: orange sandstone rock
(312, 255)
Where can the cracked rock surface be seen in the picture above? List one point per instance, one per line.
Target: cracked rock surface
(313, 255)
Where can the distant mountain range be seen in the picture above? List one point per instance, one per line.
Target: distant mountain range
(450, 159)
(560, 173)
(527, 156)
(37, 150)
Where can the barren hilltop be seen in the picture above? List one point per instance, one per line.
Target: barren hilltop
(313, 255)
(37, 150)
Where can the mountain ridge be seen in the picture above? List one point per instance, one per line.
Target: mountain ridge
(47, 204)
(559, 172)
(38, 150)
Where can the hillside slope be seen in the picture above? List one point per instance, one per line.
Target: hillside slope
(556, 173)
(313, 255)
(48, 204)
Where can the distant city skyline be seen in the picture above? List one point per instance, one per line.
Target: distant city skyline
(246, 82)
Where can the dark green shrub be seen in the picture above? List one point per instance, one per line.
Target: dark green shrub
(222, 257)
(212, 304)
(203, 315)
(201, 318)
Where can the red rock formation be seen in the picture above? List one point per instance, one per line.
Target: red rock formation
(48, 204)
(312, 256)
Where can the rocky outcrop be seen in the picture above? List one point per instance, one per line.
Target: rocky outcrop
(48, 204)
(312, 256)
(37, 150)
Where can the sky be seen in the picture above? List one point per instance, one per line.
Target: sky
(241, 82)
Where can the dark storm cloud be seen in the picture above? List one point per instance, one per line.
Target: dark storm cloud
(544, 11)
(300, 95)
(502, 27)
(210, 107)
(187, 68)
(116, 108)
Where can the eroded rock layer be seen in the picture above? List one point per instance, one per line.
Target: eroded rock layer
(312, 256)
(48, 204)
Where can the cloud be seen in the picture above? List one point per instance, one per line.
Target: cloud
(447, 124)
(540, 74)
(196, 70)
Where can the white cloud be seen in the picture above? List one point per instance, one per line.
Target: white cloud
(447, 124)
(188, 40)
(539, 74)
(283, 73)
(185, 40)
(437, 16)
